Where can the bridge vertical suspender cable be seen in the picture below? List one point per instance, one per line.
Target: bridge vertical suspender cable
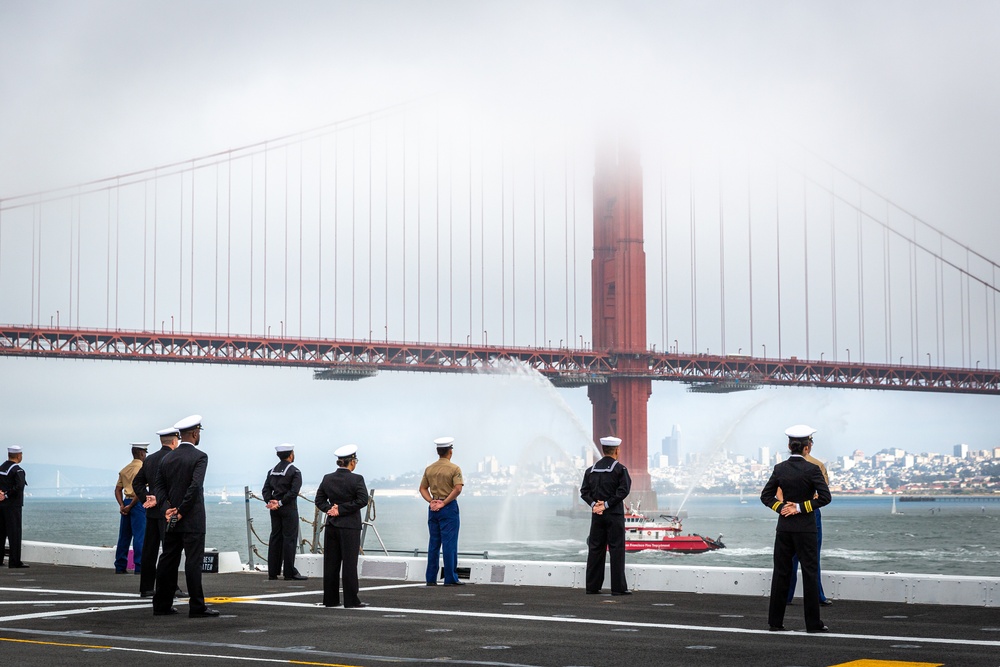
(385, 243)
(694, 263)
(229, 242)
(118, 211)
(805, 256)
(861, 290)
(914, 304)
(503, 244)
(777, 245)
(482, 235)
(371, 138)
(833, 269)
(437, 224)
(191, 286)
(575, 254)
(750, 257)
(570, 341)
(284, 263)
(722, 268)
(354, 235)
(301, 233)
(663, 263)
(886, 292)
(264, 243)
(215, 288)
(545, 290)
(471, 283)
(534, 248)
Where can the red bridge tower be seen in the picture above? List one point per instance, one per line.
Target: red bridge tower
(619, 310)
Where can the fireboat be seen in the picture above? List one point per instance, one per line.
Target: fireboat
(663, 534)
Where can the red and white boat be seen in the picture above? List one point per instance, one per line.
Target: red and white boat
(663, 534)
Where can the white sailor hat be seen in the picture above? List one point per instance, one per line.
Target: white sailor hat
(800, 431)
(610, 441)
(189, 423)
(346, 452)
(284, 447)
(441, 443)
(139, 445)
(14, 449)
(164, 432)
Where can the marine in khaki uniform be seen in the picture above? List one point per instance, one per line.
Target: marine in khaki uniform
(440, 487)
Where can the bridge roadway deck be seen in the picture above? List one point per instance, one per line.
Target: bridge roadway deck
(54, 615)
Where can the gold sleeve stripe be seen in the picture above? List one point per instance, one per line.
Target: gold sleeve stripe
(776, 506)
(808, 505)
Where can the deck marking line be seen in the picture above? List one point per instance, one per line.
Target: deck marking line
(886, 663)
(71, 612)
(640, 624)
(36, 641)
(259, 648)
(58, 601)
(57, 590)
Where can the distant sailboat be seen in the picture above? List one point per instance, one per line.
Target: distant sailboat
(742, 499)
(225, 498)
(893, 511)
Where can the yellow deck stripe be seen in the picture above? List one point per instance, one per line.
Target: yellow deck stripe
(35, 641)
(887, 663)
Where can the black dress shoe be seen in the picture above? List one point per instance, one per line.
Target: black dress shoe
(169, 612)
(296, 577)
(19, 566)
(145, 594)
(207, 613)
(826, 603)
(355, 606)
(823, 629)
(593, 592)
(270, 578)
(455, 583)
(432, 583)
(776, 628)
(622, 593)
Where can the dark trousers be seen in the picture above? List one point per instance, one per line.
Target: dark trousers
(131, 532)
(284, 536)
(193, 547)
(607, 533)
(819, 558)
(10, 529)
(786, 546)
(151, 541)
(443, 527)
(341, 547)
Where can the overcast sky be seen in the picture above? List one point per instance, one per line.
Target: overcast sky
(903, 95)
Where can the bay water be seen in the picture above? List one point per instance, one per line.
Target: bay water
(860, 532)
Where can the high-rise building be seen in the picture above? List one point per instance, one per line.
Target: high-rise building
(764, 455)
(962, 451)
(670, 445)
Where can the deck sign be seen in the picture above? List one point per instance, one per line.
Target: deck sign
(210, 562)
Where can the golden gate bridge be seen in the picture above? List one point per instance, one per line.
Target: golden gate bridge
(347, 248)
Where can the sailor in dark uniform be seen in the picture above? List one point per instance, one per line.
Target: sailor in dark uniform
(342, 495)
(179, 488)
(12, 483)
(804, 491)
(280, 492)
(142, 485)
(606, 484)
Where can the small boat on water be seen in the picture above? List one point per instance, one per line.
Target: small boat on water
(663, 534)
(224, 498)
